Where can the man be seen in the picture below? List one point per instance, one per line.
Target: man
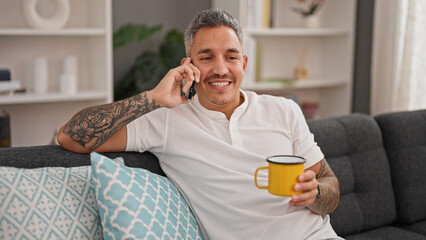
(211, 146)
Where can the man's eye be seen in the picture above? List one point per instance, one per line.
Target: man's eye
(206, 58)
(232, 58)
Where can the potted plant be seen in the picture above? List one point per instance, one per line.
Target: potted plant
(150, 66)
(308, 9)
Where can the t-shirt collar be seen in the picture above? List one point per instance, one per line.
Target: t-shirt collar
(219, 115)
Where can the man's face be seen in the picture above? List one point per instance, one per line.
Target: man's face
(217, 53)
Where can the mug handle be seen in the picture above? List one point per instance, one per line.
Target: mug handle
(255, 178)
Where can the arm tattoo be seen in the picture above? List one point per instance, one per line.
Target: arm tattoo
(329, 187)
(93, 126)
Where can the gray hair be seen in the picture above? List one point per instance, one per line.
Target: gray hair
(210, 18)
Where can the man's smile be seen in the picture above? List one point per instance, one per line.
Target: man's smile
(220, 84)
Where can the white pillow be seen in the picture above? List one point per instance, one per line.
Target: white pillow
(137, 204)
(48, 203)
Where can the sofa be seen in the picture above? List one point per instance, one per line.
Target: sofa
(380, 163)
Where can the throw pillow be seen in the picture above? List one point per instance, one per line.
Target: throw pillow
(48, 203)
(137, 204)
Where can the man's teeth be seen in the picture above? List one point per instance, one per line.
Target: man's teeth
(219, 84)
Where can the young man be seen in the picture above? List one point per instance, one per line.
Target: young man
(211, 146)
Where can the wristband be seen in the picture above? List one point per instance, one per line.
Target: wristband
(319, 193)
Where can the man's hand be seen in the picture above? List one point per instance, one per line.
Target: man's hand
(308, 185)
(167, 92)
(318, 175)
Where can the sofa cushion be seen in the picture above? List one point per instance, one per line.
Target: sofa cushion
(137, 204)
(418, 227)
(386, 233)
(353, 147)
(404, 136)
(48, 203)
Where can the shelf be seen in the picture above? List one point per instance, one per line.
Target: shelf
(87, 35)
(297, 32)
(299, 84)
(60, 32)
(28, 98)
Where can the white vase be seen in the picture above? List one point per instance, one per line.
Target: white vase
(312, 21)
(69, 78)
(57, 21)
(41, 76)
(68, 83)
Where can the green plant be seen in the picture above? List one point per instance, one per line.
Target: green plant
(309, 7)
(150, 66)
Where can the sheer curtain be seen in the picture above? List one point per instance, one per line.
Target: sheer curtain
(399, 56)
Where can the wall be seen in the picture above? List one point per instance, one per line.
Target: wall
(170, 13)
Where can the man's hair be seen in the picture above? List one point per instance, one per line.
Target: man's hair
(210, 18)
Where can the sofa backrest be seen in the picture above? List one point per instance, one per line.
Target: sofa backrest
(404, 137)
(354, 150)
(55, 156)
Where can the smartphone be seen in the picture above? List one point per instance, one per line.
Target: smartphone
(191, 91)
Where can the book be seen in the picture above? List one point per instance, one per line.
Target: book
(7, 86)
(266, 13)
(4, 129)
(4, 75)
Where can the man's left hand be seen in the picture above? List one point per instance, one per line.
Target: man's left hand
(307, 183)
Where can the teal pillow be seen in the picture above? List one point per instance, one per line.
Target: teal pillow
(48, 203)
(137, 204)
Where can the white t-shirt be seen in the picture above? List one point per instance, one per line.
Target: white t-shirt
(213, 160)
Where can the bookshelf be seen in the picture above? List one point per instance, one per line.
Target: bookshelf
(296, 32)
(35, 117)
(275, 51)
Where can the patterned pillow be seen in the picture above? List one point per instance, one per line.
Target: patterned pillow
(48, 203)
(137, 204)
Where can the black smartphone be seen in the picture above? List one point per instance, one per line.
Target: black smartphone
(191, 91)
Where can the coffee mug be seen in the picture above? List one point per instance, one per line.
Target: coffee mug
(283, 172)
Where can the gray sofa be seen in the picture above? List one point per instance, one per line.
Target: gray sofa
(380, 163)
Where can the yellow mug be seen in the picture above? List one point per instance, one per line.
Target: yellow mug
(283, 172)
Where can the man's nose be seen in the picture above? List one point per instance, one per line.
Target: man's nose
(220, 67)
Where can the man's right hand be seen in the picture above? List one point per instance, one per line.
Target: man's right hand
(168, 92)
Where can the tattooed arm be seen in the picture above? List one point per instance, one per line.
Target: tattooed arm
(318, 175)
(92, 127)
(329, 188)
(103, 128)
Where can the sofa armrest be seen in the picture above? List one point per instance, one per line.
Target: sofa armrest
(55, 156)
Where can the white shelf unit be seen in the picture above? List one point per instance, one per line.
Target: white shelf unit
(295, 85)
(32, 98)
(87, 35)
(63, 32)
(296, 32)
(275, 52)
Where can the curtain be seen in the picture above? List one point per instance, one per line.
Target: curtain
(399, 56)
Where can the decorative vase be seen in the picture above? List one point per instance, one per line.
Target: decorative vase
(57, 21)
(68, 79)
(68, 84)
(312, 21)
(41, 76)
